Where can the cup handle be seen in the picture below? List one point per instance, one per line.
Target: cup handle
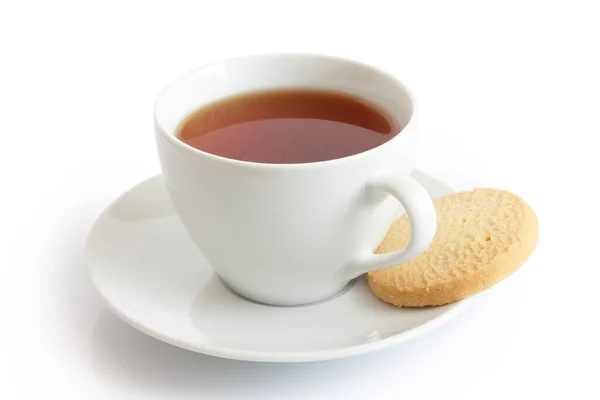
(423, 221)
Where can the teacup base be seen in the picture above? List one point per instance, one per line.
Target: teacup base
(340, 292)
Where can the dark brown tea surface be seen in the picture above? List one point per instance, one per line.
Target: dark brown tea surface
(287, 126)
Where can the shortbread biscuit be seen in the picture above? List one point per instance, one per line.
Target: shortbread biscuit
(482, 237)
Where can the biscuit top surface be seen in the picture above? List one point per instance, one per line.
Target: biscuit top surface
(474, 228)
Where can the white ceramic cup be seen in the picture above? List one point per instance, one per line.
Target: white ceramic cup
(290, 234)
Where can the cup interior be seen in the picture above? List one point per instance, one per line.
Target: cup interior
(279, 71)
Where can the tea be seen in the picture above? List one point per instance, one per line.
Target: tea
(287, 126)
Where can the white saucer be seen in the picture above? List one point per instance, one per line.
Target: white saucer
(152, 276)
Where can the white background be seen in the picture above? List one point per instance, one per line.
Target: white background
(509, 97)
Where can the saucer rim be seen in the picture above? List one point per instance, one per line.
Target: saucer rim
(269, 356)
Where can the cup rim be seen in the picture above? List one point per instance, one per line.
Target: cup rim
(173, 140)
